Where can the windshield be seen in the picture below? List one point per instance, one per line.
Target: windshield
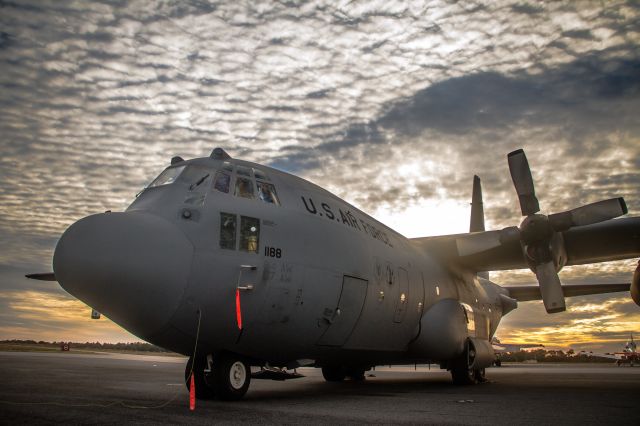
(167, 177)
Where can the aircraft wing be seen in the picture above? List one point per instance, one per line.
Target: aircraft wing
(614, 239)
(524, 293)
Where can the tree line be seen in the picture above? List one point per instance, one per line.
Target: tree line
(542, 355)
(130, 346)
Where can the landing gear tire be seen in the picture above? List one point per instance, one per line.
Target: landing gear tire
(230, 377)
(203, 390)
(463, 375)
(356, 374)
(332, 373)
(461, 371)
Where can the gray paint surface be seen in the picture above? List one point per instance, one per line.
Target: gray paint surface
(314, 253)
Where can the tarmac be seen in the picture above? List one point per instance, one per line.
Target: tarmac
(69, 388)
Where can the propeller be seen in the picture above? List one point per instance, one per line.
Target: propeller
(539, 234)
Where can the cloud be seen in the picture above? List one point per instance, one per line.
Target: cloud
(393, 107)
(573, 96)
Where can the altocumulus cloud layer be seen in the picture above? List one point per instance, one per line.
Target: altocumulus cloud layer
(391, 106)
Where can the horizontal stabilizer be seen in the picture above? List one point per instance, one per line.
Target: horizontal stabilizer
(45, 276)
(524, 293)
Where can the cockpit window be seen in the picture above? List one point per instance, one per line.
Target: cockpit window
(260, 175)
(249, 234)
(227, 166)
(222, 182)
(197, 177)
(167, 177)
(244, 171)
(244, 187)
(267, 193)
(228, 231)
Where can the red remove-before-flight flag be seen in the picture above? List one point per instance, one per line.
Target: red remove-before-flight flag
(238, 311)
(192, 393)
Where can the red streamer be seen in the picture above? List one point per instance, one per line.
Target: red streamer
(192, 393)
(238, 311)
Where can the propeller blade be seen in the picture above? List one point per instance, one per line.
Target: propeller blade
(550, 288)
(522, 180)
(478, 242)
(588, 214)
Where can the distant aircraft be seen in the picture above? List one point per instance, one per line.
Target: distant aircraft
(629, 354)
(238, 265)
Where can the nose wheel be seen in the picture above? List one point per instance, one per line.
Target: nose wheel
(230, 376)
(203, 390)
(228, 379)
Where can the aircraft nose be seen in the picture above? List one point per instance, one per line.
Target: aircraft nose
(132, 267)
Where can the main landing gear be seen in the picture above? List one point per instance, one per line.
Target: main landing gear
(337, 373)
(228, 378)
(462, 369)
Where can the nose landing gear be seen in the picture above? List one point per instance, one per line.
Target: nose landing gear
(228, 378)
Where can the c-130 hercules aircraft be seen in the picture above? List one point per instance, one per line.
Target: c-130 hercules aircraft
(240, 266)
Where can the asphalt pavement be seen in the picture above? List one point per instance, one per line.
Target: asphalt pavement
(69, 388)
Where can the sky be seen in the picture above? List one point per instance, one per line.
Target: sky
(392, 106)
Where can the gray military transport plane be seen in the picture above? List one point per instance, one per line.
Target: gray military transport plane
(252, 272)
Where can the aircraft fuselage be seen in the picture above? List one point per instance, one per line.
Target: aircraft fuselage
(316, 278)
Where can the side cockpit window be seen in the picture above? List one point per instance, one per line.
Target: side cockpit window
(249, 234)
(228, 231)
(167, 177)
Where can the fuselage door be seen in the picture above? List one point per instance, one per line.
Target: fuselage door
(345, 317)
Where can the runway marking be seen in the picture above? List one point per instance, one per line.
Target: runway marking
(175, 384)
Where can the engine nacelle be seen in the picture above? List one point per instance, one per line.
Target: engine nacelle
(635, 285)
(443, 332)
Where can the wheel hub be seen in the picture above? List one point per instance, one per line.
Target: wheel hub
(237, 375)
